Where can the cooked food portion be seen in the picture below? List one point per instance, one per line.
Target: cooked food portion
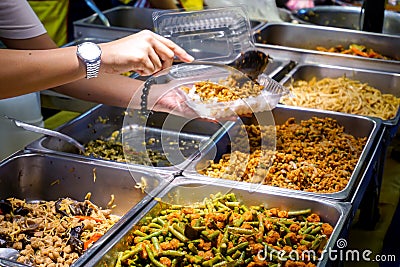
(153, 155)
(113, 150)
(355, 50)
(52, 233)
(315, 155)
(222, 231)
(224, 91)
(344, 95)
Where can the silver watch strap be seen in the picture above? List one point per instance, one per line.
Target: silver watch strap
(92, 69)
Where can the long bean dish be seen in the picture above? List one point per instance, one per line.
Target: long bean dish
(315, 155)
(222, 231)
(52, 233)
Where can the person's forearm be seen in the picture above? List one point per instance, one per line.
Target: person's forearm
(110, 89)
(25, 71)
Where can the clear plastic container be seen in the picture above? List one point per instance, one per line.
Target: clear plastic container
(266, 100)
(185, 75)
(216, 35)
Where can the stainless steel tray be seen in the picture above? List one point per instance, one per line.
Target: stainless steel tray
(35, 176)
(347, 17)
(387, 83)
(188, 191)
(358, 126)
(124, 21)
(102, 121)
(303, 39)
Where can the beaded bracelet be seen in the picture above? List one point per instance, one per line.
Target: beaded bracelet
(145, 94)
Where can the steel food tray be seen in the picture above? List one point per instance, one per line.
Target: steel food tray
(358, 126)
(101, 121)
(34, 176)
(189, 191)
(387, 83)
(301, 39)
(348, 17)
(124, 20)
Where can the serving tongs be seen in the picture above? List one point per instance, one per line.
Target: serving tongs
(252, 63)
(40, 130)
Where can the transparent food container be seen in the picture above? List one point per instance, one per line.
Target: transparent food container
(182, 78)
(217, 35)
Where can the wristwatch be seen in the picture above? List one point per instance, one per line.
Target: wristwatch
(90, 54)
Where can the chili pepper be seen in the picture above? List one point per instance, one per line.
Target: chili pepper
(91, 240)
(358, 52)
(82, 218)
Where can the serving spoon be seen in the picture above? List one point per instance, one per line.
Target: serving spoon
(40, 130)
(8, 258)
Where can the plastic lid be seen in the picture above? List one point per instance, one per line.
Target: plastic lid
(216, 35)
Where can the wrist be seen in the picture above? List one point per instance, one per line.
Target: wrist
(90, 56)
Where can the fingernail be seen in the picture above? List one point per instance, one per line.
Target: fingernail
(190, 58)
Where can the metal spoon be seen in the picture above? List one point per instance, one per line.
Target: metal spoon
(9, 253)
(40, 130)
(101, 15)
(252, 63)
(8, 258)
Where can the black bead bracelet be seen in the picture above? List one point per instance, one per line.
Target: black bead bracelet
(145, 94)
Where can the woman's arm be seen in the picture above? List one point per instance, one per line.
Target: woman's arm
(37, 64)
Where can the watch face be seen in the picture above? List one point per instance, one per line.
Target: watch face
(89, 51)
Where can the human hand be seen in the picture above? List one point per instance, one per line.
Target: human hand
(298, 4)
(171, 101)
(145, 53)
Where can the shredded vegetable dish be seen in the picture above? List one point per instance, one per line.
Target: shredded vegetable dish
(355, 50)
(223, 91)
(343, 95)
(315, 155)
(222, 231)
(153, 155)
(52, 233)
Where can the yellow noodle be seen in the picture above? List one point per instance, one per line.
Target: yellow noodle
(343, 95)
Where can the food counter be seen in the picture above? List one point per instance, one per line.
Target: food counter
(320, 168)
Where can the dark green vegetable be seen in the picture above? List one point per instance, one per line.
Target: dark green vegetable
(221, 232)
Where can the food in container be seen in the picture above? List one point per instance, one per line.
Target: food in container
(221, 230)
(343, 95)
(230, 97)
(313, 155)
(59, 208)
(348, 90)
(355, 50)
(50, 232)
(111, 148)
